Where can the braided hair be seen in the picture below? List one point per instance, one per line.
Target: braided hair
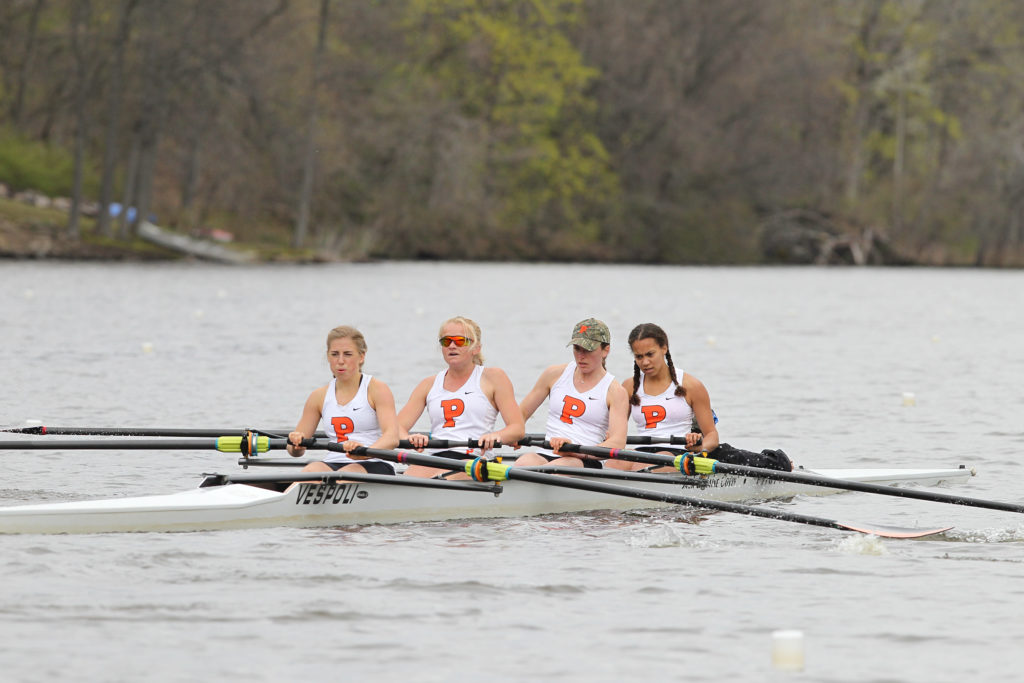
(658, 336)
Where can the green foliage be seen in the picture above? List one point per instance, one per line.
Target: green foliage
(510, 66)
(659, 131)
(26, 164)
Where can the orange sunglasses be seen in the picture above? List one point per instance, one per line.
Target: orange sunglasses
(459, 341)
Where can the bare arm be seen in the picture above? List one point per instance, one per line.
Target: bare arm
(308, 422)
(699, 400)
(540, 391)
(412, 410)
(628, 388)
(383, 403)
(499, 389)
(618, 417)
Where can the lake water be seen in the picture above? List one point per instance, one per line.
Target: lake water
(814, 361)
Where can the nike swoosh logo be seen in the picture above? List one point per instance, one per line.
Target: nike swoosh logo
(591, 398)
(355, 409)
(467, 392)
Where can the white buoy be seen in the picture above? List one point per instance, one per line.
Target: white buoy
(909, 399)
(147, 347)
(712, 341)
(29, 294)
(788, 650)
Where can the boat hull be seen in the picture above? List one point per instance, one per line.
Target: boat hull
(236, 506)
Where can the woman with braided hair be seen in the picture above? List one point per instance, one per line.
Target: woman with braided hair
(665, 401)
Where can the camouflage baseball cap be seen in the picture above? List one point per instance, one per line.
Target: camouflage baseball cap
(590, 334)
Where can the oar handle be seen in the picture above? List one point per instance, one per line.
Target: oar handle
(687, 463)
(673, 440)
(447, 443)
(634, 439)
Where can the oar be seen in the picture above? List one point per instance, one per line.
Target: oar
(251, 443)
(138, 431)
(224, 444)
(483, 470)
(635, 440)
(446, 443)
(41, 430)
(692, 464)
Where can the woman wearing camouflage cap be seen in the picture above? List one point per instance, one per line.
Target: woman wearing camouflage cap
(585, 404)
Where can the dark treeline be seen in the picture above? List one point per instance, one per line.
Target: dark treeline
(678, 131)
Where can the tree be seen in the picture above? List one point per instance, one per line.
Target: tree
(114, 104)
(309, 154)
(509, 100)
(82, 84)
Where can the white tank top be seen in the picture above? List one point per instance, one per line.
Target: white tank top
(663, 415)
(465, 413)
(356, 420)
(581, 417)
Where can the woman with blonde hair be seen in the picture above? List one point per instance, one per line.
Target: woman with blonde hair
(463, 400)
(354, 409)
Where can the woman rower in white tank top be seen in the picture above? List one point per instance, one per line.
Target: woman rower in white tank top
(354, 409)
(586, 405)
(463, 401)
(665, 401)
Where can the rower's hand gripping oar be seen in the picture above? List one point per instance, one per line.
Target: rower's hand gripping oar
(687, 463)
(481, 469)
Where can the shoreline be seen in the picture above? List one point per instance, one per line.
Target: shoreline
(45, 241)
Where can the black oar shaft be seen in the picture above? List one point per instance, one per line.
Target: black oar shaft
(40, 430)
(525, 474)
(446, 443)
(139, 431)
(865, 487)
(194, 444)
(226, 444)
(636, 440)
(119, 445)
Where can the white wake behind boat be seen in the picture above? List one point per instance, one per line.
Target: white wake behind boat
(222, 503)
